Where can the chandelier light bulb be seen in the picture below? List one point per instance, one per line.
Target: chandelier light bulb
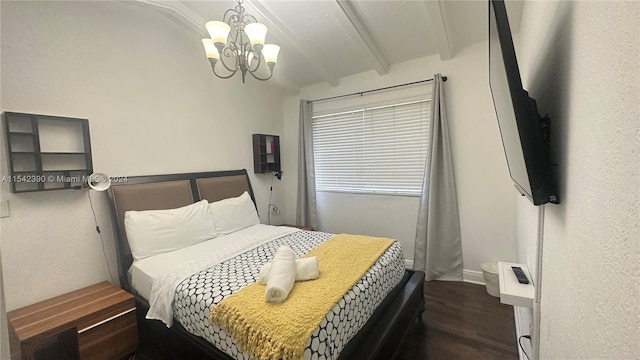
(210, 49)
(256, 33)
(270, 53)
(219, 32)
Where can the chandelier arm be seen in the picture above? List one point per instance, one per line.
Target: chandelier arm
(239, 45)
(233, 45)
(249, 19)
(227, 52)
(259, 78)
(258, 62)
(234, 14)
(234, 68)
(221, 76)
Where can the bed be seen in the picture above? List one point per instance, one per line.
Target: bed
(395, 305)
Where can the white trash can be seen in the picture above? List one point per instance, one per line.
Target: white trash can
(491, 279)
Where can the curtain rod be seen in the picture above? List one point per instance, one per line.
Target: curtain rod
(444, 78)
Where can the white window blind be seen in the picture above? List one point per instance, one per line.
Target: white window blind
(379, 149)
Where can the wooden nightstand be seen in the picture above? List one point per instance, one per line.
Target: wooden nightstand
(301, 227)
(97, 322)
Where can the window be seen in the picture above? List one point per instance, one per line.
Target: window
(378, 149)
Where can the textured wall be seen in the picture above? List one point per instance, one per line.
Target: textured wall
(580, 60)
(4, 332)
(4, 335)
(153, 106)
(485, 195)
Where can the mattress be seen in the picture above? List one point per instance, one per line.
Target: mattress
(143, 272)
(194, 295)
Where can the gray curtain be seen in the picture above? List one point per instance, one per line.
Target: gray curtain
(438, 247)
(306, 210)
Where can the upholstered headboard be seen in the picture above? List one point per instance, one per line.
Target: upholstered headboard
(159, 192)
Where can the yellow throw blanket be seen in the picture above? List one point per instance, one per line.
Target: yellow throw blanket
(280, 330)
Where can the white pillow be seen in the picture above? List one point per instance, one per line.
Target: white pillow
(233, 214)
(153, 232)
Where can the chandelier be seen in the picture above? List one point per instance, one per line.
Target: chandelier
(237, 43)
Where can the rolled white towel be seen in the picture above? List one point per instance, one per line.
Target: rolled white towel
(306, 269)
(282, 275)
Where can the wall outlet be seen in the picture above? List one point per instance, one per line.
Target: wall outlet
(4, 209)
(274, 209)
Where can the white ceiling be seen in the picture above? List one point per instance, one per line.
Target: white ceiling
(324, 40)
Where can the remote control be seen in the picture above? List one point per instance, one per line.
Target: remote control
(522, 278)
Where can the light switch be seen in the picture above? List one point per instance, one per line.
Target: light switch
(4, 208)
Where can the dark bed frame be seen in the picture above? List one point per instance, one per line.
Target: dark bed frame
(380, 337)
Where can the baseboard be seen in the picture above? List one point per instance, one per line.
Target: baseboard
(470, 276)
(473, 276)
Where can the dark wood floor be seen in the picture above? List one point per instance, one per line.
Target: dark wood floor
(461, 321)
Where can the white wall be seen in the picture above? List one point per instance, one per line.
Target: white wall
(153, 106)
(4, 334)
(486, 196)
(579, 60)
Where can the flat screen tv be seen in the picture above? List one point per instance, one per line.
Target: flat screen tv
(525, 135)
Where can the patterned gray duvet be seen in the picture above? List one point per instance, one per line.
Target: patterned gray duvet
(195, 296)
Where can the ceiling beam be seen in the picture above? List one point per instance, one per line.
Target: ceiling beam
(180, 12)
(349, 19)
(194, 22)
(435, 20)
(310, 54)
